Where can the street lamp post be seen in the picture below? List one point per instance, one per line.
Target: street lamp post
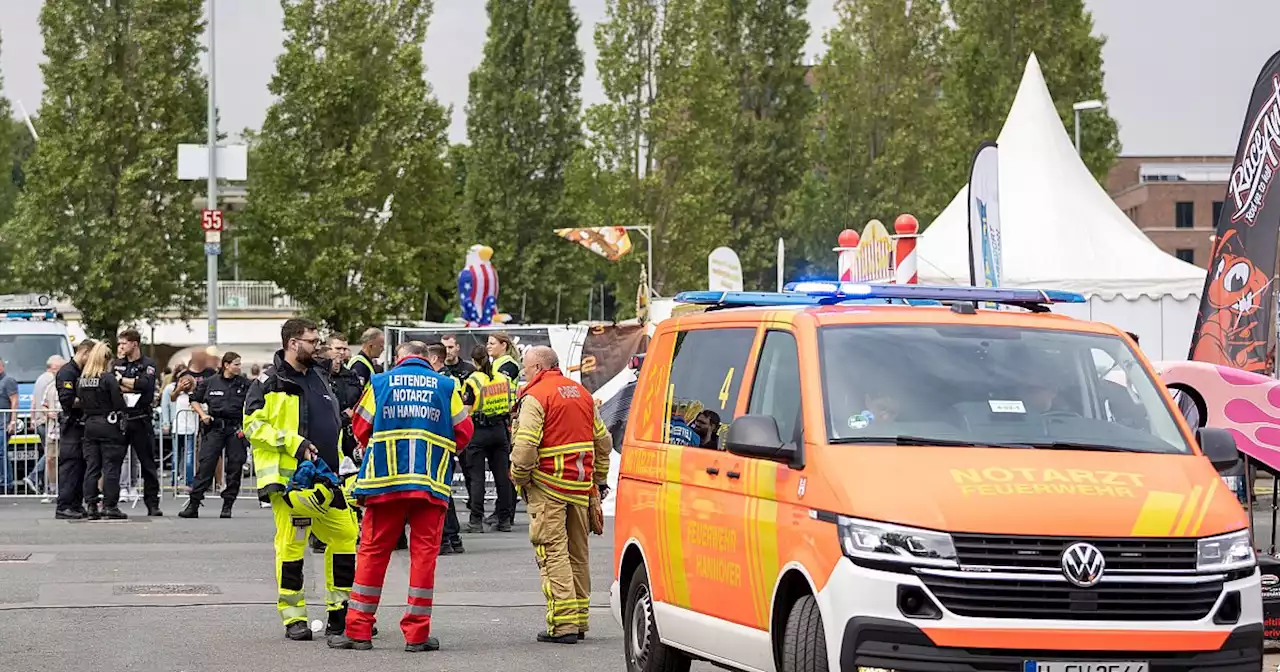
(1083, 106)
(211, 256)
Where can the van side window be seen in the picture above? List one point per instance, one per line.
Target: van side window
(706, 374)
(776, 389)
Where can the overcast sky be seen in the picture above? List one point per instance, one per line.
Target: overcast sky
(1177, 71)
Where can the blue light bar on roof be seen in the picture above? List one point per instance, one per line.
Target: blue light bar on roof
(827, 293)
(28, 314)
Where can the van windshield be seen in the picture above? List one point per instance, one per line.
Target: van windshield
(25, 355)
(987, 385)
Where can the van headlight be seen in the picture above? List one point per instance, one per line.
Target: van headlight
(1225, 552)
(886, 542)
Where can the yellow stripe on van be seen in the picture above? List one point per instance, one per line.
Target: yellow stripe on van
(1204, 506)
(679, 583)
(1188, 511)
(1158, 514)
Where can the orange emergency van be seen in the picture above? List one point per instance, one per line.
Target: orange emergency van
(857, 477)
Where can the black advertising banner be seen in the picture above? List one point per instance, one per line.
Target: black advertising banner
(1238, 303)
(607, 352)
(523, 337)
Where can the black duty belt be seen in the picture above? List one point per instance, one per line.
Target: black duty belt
(491, 420)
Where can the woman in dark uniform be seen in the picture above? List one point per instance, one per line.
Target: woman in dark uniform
(100, 398)
(220, 431)
(490, 395)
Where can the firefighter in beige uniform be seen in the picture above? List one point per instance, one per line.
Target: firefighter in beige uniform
(559, 459)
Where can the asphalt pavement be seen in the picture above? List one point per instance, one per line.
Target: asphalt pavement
(76, 595)
(169, 595)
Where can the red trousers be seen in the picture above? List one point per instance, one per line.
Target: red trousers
(380, 530)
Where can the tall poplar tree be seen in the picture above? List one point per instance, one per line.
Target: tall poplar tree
(661, 144)
(987, 54)
(349, 197)
(764, 44)
(103, 219)
(8, 144)
(524, 128)
(876, 130)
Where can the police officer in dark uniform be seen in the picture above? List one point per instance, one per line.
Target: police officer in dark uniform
(221, 430)
(104, 407)
(70, 445)
(137, 374)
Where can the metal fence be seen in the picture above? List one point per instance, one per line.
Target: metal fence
(30, 443)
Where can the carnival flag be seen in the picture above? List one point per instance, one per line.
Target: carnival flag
(985, 259)
(724, 271)
(610, 242)
(1235, 320)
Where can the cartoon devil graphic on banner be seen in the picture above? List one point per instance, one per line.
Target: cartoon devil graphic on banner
(1237, 307)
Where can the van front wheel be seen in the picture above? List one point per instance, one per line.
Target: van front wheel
(804, 643)
(645, 652)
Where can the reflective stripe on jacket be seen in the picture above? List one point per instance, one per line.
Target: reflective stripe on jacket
(494, 396)
(409, 415)
(274, 424)
(561, 446)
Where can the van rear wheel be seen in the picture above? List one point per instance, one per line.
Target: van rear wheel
(804, 642)
(645, 651)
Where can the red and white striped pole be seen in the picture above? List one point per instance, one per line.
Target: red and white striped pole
(908, 230)
(847, 247)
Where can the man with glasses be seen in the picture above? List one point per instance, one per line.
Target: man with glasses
(293, 421)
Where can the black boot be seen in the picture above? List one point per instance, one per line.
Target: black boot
(446, 549)
(69, 514)
(475, 525)
(337, 622)
(92, 512)
(226, 509)
(114, 513)
(432, 644)
(344, 642)
(153, 509)
(297, 631)
(503, 526)
(191, 510)
(571, 638)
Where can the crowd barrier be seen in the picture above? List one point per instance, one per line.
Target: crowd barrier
(30, 443)
(29, 446)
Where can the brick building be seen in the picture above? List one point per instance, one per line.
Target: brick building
(1175, 200)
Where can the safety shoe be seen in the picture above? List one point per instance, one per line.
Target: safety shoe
(153, 510)
(114, 513)
(344, 642)
(457, 547)
(69, 514)
(298, 631)
(432, 644)
(191, 510)
(92, 512)
(492, 519)
(226, 509)
(504, 526)
(475, 526)
(571, 638)
(446, 549)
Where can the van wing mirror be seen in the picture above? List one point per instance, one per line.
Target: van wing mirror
(1219, 446)
(758, 436)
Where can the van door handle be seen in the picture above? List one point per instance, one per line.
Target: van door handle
(713, 470)
(733, 474)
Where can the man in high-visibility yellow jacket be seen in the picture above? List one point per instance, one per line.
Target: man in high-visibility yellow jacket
(292, 415)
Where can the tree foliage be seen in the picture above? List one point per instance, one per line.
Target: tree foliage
(986, 55)
(349, 197)
(524, 127)
(876, 132)
(103, 219)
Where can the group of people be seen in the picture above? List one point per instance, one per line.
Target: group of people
(405, 430)
(106, 397)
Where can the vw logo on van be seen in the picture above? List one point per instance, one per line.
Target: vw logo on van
(1083, 564)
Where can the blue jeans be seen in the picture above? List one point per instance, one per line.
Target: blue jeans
(185, 448)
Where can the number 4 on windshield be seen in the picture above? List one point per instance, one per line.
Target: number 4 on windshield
(724, 389)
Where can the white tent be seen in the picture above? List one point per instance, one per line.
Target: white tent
(1060, 230)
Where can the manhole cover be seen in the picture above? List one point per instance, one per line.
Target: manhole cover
(165, 589)
(14, 557)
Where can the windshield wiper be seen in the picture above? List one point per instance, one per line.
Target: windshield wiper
(1080, 445)
(909, 440)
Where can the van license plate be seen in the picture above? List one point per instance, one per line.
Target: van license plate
(1084, 666)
